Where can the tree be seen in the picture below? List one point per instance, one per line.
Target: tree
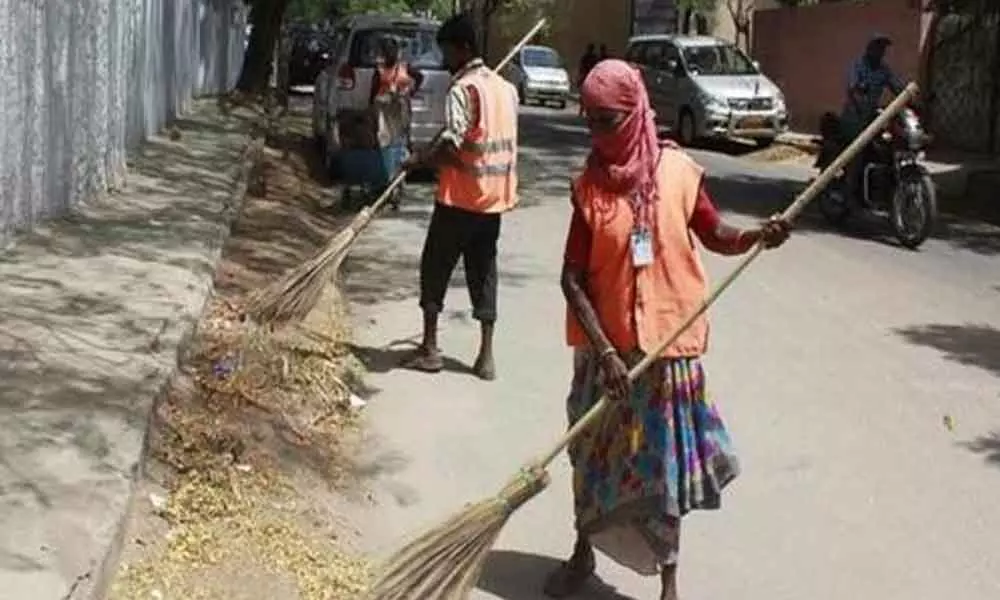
(741, 12)
(266, 17)
(695, 11)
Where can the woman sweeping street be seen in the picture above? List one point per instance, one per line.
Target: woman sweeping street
(393, 84)
(631, 276)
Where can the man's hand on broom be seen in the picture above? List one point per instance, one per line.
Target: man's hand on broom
(414, 161)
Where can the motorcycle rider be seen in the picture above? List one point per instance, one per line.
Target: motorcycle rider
(868, 80)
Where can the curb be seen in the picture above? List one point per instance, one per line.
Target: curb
(96, 584)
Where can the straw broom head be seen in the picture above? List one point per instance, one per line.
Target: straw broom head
(445, 563)
(293, 297)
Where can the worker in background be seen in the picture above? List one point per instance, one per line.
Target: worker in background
(476, 159)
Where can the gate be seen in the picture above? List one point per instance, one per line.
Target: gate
(964, 83)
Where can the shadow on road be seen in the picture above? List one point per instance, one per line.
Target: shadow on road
(988, 446)
(970, 344)
(519, 576)
(391, 357)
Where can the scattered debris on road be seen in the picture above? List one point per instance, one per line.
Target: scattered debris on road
(250, 443)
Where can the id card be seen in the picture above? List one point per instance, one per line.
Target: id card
(642, 248)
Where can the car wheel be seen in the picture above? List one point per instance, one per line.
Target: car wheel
(685, 127)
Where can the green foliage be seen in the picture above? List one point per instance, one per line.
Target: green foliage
(391, 7)
(309, 11)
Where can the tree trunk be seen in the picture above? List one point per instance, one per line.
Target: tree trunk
(265, 17)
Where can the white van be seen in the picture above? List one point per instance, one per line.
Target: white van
(704, 87)
(345, 84)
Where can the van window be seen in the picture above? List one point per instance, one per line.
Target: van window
(656, 55)
(418, 44)
(541, 57)
(634, 54)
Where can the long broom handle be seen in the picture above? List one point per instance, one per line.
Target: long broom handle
(790, 214)
(369, 212)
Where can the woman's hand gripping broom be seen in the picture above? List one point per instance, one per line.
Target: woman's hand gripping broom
(445, 563)
(293, 297)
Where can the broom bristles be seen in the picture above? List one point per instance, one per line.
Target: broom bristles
(296, 294)
(446, 562)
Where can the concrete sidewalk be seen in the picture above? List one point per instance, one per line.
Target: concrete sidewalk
(95, 308)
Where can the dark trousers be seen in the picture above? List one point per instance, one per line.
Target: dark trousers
(473, 236)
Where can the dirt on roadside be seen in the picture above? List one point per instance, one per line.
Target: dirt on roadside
(249, 448)
(781, 152)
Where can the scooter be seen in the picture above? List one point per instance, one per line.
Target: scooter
(893, 183)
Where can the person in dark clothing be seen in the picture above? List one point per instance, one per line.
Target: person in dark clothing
(587, 62)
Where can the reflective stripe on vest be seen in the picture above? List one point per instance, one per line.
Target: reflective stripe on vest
(638, 307)
(485, 181)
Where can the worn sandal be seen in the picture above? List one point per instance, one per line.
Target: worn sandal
(421, 361)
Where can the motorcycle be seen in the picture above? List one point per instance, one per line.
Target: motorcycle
(893, 183)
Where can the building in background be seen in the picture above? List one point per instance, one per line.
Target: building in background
(653, 16)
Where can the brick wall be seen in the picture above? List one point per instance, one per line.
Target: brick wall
(807, 51)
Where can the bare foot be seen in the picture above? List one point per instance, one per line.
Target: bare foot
(485, 368)
(669, 579)
(571, 576)
(428, 361)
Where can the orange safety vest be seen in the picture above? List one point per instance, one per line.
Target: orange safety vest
(485, 180)
(640, 307)
(393, 79)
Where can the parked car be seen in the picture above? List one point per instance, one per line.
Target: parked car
(539, 74)
(310, 53)
(704, 87)
(343, 87)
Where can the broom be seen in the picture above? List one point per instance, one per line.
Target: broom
(292, 298)
(446, 562)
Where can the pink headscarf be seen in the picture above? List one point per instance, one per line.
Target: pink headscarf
(625, 159)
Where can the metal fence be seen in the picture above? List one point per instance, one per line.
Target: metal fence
(81, 81)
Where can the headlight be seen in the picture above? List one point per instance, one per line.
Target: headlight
(779, 103)
(713, 103)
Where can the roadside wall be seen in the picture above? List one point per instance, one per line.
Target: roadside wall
(82, 81)
(808, 50)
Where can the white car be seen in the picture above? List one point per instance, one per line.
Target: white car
(539, 75)
(344, 86)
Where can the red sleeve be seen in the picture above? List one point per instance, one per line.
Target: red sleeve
(705, 219)
(577, 252)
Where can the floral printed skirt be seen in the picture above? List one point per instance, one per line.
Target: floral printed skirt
(648, 462)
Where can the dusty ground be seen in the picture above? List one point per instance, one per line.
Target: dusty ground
(247, 448)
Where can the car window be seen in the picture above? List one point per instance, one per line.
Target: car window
(634, 54)
(671, 53)
(718, 59)
(540, 57)
(418, 44)
(656, 55)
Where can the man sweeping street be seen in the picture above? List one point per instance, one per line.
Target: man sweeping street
(476, 163)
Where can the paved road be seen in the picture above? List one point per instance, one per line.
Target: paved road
(835, 360)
